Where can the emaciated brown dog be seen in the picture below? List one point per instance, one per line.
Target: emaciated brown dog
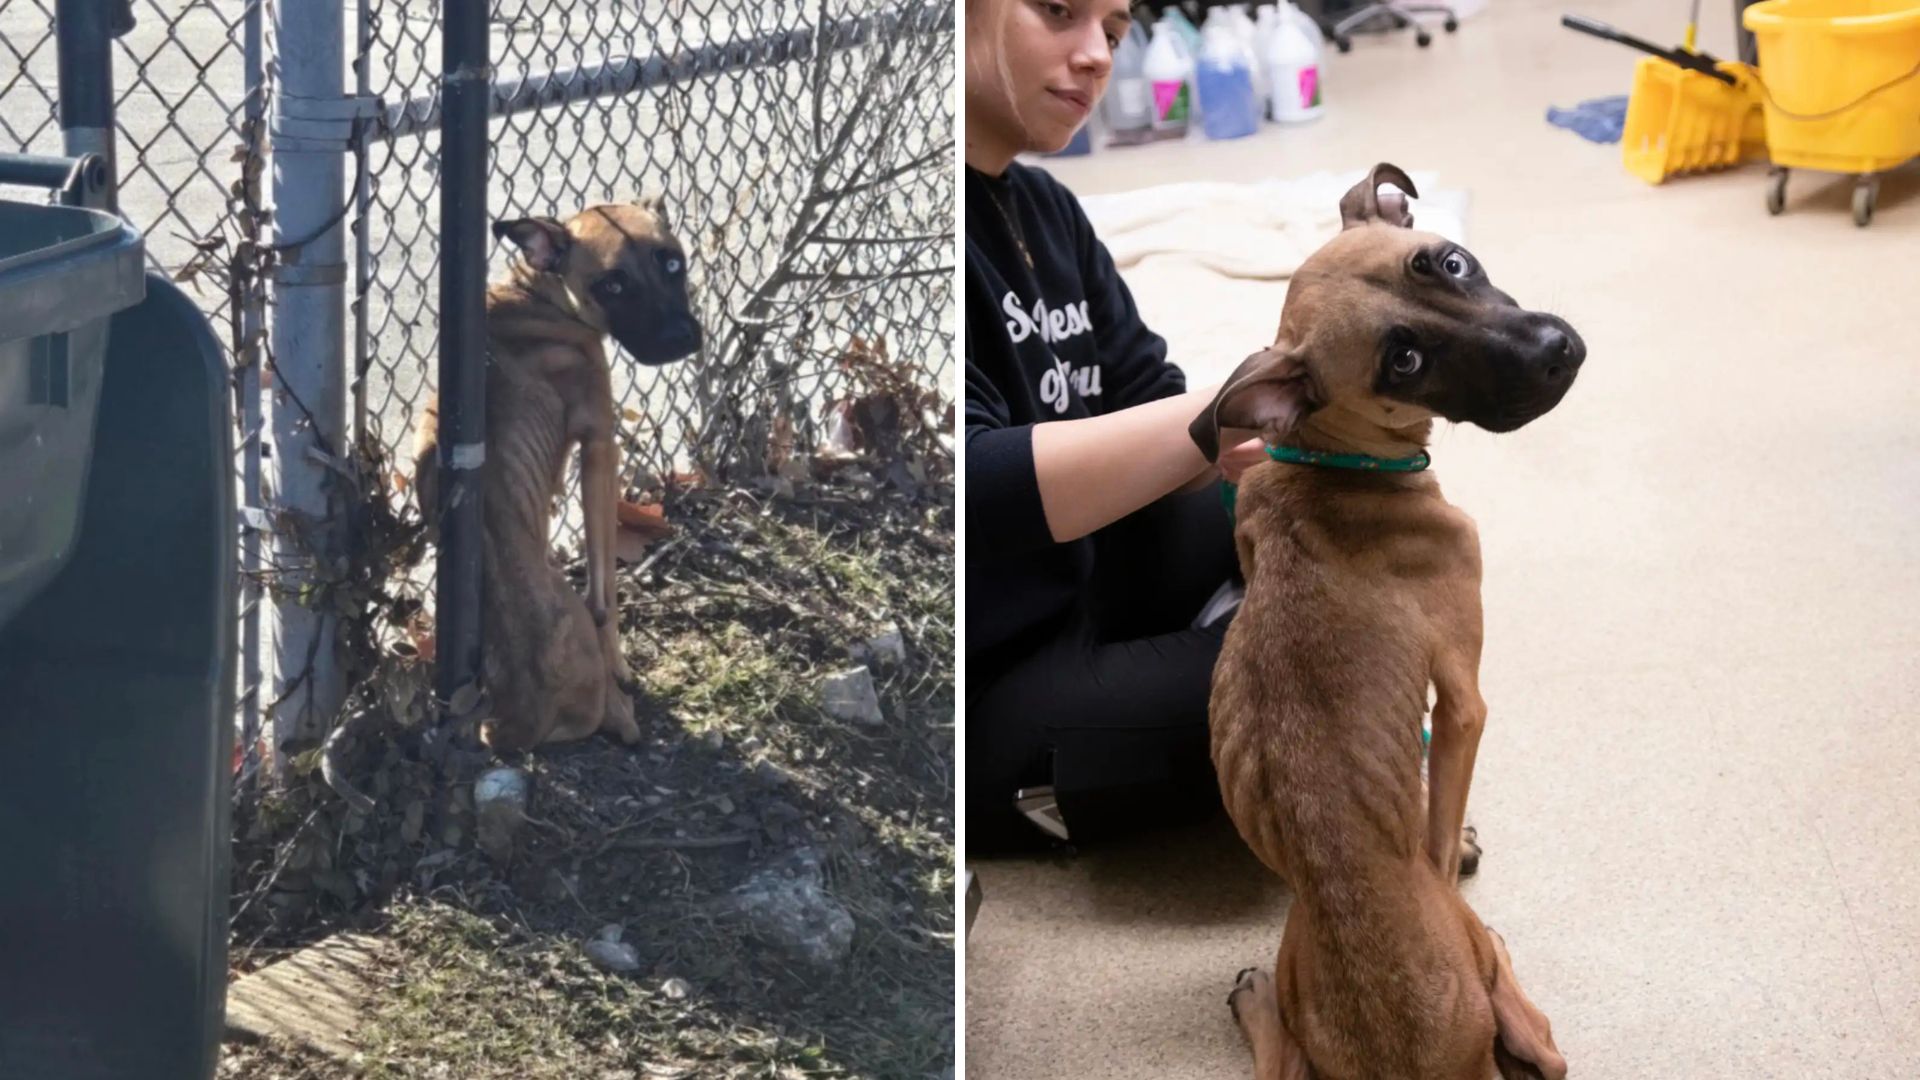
(553, 664)
(1363, 589)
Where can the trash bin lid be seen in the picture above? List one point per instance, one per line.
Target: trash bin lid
(65, 266)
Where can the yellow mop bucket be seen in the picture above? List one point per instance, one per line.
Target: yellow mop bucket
(1842, 87)
(1687, 112)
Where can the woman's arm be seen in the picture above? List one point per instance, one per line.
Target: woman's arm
(1095, 471)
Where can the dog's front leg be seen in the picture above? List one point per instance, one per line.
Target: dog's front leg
(599, 489)
(1459, 716)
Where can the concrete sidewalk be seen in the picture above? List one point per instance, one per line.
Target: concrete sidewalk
(1699, 790)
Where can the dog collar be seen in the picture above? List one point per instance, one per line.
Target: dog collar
(1367, 462)
(1298, 456)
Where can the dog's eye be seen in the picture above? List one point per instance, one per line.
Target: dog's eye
(612, 285)
(1422, 264)
(1408, 362)
(1456, 264)
(671, 263)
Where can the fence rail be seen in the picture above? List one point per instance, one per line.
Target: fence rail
(283, 158)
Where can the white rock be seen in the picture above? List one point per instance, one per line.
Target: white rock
(499, 809)
(613, 956)
(676, 989)
(788, 906)
(850, 696)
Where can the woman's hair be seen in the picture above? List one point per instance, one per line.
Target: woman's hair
(994, 16)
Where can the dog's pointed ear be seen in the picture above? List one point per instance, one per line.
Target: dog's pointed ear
(1269, 392)
(1365, 202)
(543, 242)
(656, 205)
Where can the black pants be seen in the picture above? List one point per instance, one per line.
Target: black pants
(1112, 708)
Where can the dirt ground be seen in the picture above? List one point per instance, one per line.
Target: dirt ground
(732, 624)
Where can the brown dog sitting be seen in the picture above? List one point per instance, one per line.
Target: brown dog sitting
(1363, 589)
(553, 663)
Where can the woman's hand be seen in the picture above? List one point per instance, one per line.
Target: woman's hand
(1237, 459)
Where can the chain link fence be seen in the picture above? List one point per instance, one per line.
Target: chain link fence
(804, 151)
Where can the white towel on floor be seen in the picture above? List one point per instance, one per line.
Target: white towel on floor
(1261, 230)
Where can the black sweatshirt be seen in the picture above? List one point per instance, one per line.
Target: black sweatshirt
(1057, 340)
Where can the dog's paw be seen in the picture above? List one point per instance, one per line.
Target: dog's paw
(1250, 985)
(1469, 851)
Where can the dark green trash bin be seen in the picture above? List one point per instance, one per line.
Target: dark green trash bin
(116, 659)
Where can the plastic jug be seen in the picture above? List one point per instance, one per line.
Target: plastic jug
(1186, 41)
(1129, 101)
(1170, 75)
(1266, 23)
(1080, 145)
(1225, 78)
(1249, 36)
(1290, 13)
(1190, 40)
(1293, 64)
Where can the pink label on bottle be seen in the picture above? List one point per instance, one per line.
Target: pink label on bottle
(1170, 101)
(1309, 87)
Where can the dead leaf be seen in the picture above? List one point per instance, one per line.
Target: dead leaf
(650, 518)
(420, 633)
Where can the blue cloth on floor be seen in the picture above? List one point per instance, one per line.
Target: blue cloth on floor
(1599, 120)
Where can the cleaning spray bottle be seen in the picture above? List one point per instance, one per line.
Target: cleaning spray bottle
(1293, 64)
(1170, 76)
(1224, 77)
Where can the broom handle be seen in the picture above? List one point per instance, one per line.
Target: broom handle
(1693, 25)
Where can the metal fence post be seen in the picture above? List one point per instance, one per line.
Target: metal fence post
(249, 354)
(311, 121)
(466, 81)
(85, 31)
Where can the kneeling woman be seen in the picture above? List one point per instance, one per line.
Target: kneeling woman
(1096, 534)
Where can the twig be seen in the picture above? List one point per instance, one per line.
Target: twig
(333, 767)
(683, 843)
